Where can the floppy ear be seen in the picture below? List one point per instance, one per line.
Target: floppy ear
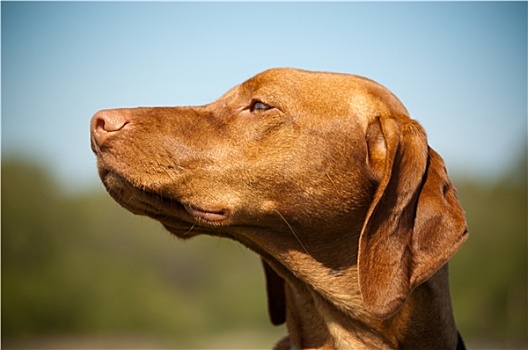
(414, 224)
(276, 295)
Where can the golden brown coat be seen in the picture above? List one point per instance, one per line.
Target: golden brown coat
(327, 178)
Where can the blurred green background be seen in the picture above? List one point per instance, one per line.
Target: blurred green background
(80, 272)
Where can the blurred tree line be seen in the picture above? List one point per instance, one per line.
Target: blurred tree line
(77, 266)
(489, 275)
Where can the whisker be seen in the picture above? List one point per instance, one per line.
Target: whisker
(329, 178)
(189, 231)
(291, 229)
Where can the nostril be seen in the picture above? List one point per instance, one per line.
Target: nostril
(99, 125)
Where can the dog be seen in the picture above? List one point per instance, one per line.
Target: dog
(327, 178)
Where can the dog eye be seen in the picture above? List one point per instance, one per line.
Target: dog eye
(258, 106)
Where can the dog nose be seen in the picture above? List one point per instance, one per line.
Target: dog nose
(106, 123)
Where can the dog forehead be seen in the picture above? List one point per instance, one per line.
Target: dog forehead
(320, 93)
(324, 92)
(293, 81)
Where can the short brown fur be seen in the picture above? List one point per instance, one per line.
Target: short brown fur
(327, 178)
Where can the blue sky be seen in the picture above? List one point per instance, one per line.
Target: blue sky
(460, 68)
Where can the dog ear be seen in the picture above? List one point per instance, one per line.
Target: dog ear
(414, 224)
(276, 295)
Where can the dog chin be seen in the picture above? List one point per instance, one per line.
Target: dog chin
(183, 233)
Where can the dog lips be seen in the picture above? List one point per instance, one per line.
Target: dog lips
(207, 215)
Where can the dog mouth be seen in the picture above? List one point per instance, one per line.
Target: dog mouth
(209, 215)
(176, 214)
(157, 202)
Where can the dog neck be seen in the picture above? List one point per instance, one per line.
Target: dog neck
(319, 321)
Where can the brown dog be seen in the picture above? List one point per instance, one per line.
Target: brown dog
(327, 178)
